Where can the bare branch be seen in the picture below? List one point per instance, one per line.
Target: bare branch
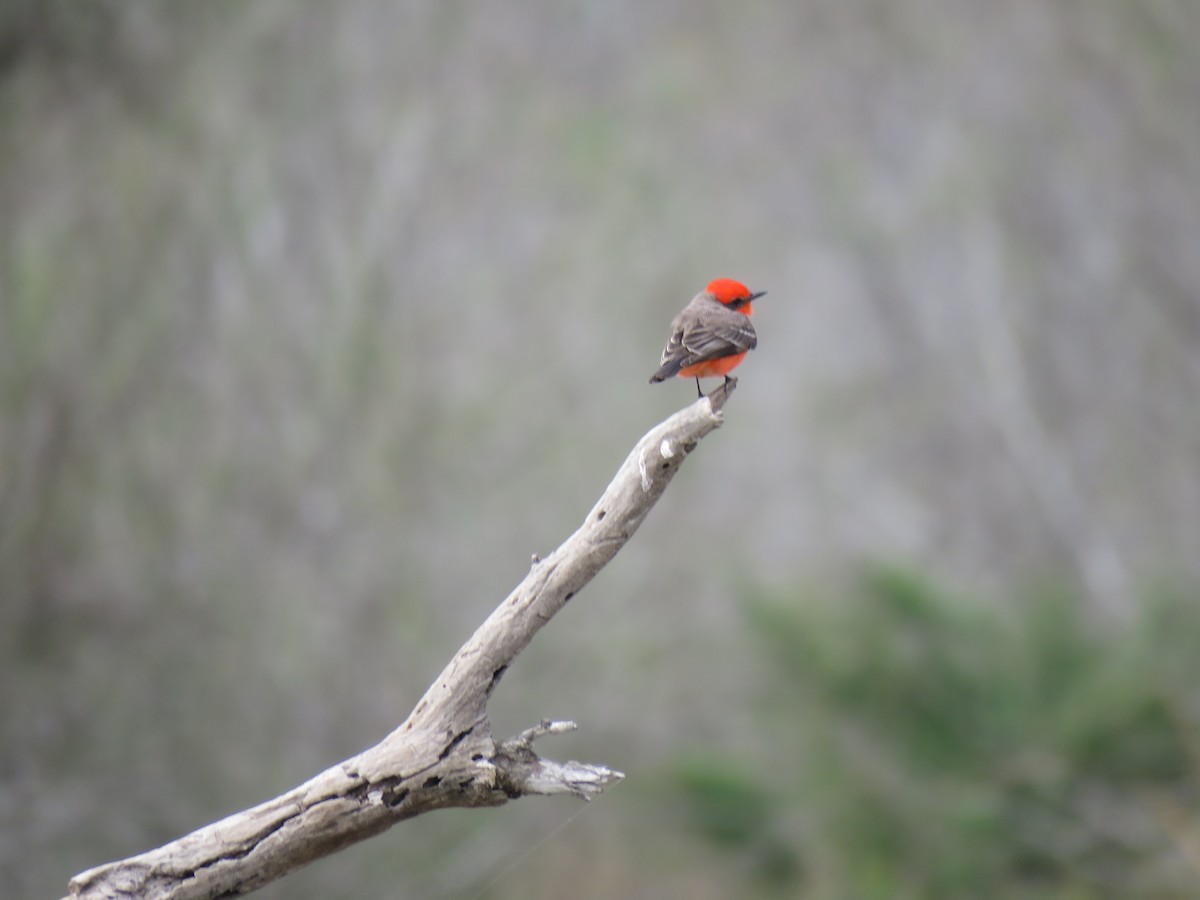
(443, 755)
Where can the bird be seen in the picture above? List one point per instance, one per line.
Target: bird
(711, 335)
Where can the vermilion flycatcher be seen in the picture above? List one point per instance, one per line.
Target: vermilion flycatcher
(712, 335)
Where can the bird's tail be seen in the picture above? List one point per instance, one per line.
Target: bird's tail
(668, 369)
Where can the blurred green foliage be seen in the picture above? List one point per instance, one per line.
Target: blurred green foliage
(935, 745)
(737, 811)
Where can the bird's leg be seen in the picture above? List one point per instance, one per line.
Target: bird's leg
(699, 393)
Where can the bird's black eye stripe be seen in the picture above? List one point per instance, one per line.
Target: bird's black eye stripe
(739, 302)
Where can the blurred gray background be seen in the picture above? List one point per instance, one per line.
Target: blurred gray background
(316, 320)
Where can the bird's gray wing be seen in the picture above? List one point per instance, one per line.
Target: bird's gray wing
(723, 333)
(718, 332)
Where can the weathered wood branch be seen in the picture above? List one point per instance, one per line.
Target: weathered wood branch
(443, 755)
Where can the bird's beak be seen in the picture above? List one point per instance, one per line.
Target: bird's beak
(756, 296)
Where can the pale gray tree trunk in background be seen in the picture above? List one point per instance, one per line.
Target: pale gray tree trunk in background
(444, 754)
(1044, 466)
